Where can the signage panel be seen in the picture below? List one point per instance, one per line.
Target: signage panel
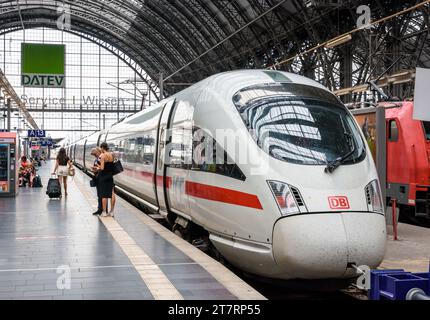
(36, 133)
(42, 65)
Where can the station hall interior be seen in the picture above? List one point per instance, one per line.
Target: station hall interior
(242, 150)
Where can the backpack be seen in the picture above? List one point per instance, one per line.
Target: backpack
(37, 182)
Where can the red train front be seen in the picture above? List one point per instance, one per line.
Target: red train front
(408, 162)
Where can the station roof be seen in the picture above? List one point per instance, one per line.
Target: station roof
(188, 40)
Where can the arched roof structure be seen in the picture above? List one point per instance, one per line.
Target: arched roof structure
(188, 40)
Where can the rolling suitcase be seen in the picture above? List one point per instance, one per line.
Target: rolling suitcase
(54, 188)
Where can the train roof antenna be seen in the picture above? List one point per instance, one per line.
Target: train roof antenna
(382, 96)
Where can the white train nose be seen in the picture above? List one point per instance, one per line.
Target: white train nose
(320, 246)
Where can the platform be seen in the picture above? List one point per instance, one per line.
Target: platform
(42, 241)
(412, 250)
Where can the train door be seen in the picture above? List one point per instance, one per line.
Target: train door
(397, 169)
(179, 155)
(101, 139)
(161, 181)
(426, 125)
(83, 154)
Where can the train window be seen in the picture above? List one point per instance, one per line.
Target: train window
(299, 124)
(148, 151)
(393, 134)
(101, 139)
(214, 162)
(180, 147)
(426, 125)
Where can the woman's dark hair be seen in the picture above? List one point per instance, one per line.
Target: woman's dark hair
(23, 159)
(62, 156)
(104, 146)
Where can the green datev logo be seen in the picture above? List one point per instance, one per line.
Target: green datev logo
(42, 65)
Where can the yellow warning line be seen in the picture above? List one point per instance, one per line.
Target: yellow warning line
(227, 278)
(224, 276)
(157, 282)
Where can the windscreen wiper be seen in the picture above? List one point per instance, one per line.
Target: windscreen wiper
(332, 166)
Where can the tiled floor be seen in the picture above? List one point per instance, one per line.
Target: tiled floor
(411, 251)
(43, 240)
(38, 236)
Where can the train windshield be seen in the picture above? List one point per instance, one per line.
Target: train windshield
(300, 124)
(427, 129)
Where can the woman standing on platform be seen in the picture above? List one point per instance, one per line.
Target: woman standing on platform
(62, 166)
(105, 180)
(96, 152)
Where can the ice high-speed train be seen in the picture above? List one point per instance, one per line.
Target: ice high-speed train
(270, 164)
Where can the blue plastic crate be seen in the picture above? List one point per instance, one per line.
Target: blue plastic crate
(395, 284)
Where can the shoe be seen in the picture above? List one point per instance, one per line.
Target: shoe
(104, 215)
(112, 213)
(97, 213)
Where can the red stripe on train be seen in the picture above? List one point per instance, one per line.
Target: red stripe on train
(212, 193)
(203, 191)
(147, 176)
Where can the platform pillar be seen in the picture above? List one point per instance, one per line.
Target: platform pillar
(381, 150)
(346, 71)
(161, 86)
(8, 114)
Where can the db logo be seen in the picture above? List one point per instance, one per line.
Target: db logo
(338, 203)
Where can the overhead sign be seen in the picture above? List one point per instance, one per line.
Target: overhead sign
(42, 65)
(422, 95)
(36, 133)
(46, 143)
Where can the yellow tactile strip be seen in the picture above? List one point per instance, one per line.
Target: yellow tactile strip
(224, 276)
(157, 282)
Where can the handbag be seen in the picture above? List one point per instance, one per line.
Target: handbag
(93, 183)
(71, 171)
(117, 167)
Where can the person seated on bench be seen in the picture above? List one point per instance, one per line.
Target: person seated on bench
(25, 172)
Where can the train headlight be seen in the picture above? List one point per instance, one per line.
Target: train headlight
(374, 198)
(284, 198)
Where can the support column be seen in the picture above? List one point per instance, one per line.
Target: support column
(8, 114)
(393, 48)
(346, 70)
(381, 150)
(161, 86)
(308, 67)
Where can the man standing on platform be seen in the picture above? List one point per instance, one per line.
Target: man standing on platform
(96, 152)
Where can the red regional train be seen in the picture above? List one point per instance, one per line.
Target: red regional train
(408, 162)
(408, 159)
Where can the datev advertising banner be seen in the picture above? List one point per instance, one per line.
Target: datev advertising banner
(42, 65)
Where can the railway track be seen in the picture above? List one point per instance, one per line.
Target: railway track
(315, 291)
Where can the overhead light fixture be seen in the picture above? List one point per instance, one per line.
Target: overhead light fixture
(338, 41)
(402, 74)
